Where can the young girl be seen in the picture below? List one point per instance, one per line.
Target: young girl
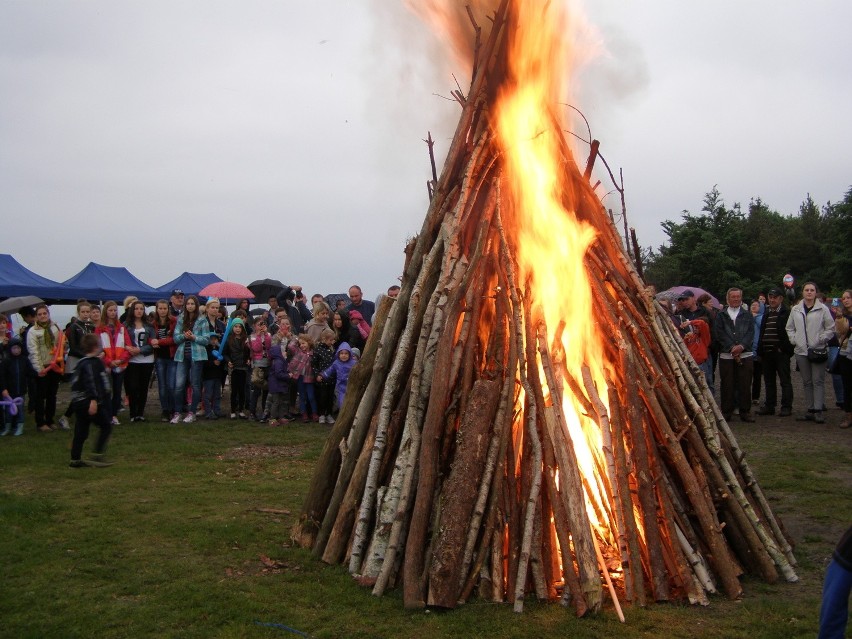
(191, 338)
(42, 344)
(259, 344)
(340, 326)
(235, 356)
(141, 363)
(319, 323)
(212, 370)
(164, 354)
(114, 341)
(300, 370)
(79, 326)
(340, 370)
(322, 358)
(278, 405)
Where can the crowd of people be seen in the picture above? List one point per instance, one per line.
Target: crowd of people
(754, 347)
(288, 361)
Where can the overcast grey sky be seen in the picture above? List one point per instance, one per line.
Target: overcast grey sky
(283, 139)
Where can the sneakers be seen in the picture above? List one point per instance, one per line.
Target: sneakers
(189, 418)
(807, 417)
(63, 423)
(6, 430)
(329, 419)
(115, 421)
(200, 413)
(766, 410)
(315, 418)
(819, 417)
(20, 429)
(305, 418)
(322, 419)
(175, 419)
(785, 412)
(98, 460)
(165, 418)
(233, 415)
(242, 415)
(78, 463)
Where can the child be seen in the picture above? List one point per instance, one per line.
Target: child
(259, 344)
(114, 341)
(90, 395)
(137, 376)
(322, 358)
(213, 368)
(78, 326)
(44, 349)
(279, 387)
(191, 338)
(300, 370)
(235, 356)
(164, 358)
(14, 373)
(340, 369)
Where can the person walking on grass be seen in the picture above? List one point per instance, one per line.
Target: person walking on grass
(90, 396)
(810, 326)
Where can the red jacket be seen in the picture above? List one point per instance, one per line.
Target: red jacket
(167, 346)
(698, 341)
(114, 341)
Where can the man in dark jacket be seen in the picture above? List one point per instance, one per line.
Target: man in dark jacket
(733, 332)
(292, 299)
(775, 350)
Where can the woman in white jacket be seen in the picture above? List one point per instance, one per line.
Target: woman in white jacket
(811, 325)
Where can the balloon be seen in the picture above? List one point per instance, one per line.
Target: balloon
(789, 281)
(217, 353)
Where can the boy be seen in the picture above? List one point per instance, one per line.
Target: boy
(91, 395)
(340, 369)
(14, 376)
(79, 326)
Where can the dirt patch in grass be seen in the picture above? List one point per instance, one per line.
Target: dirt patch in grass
(259, 451)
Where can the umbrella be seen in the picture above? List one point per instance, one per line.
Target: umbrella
(257, 311)
(14, 303)
(264, 289)
(226, 290)
(672, 294)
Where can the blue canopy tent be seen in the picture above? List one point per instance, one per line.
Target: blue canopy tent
(189, 283)
(101, 283)
(15, 281)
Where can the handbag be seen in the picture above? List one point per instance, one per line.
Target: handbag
(815, 354)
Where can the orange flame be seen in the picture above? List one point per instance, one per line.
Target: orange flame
(552, 242)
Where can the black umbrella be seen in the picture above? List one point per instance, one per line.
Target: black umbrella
(15, 303)
(264, 289)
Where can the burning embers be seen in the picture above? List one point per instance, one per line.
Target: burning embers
(524, 421)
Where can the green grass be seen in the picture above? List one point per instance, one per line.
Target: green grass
(171, 542)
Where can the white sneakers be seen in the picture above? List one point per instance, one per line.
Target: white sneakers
(175, 419)
(189, 418)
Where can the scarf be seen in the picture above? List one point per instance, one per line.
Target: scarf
(49, 342)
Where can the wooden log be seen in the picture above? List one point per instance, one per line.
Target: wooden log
(459, 493)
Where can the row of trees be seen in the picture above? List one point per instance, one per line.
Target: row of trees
(753, 249)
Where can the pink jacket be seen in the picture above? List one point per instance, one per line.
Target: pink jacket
(259, 347)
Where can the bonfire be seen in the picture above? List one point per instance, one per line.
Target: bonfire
(525, 420)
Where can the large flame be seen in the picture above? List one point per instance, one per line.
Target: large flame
(551, 241)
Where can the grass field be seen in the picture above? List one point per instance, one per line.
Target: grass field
(188, 536)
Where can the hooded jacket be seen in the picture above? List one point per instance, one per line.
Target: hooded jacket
(14, 370)
(340, 370)
(809, 330)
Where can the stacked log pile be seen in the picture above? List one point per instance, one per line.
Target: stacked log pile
(453, 468)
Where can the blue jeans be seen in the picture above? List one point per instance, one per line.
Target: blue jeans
(835, 602)
(836, 380)
(307, 401)
(213, 396)
(707, 369)
(166, 371)
(192, 370)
